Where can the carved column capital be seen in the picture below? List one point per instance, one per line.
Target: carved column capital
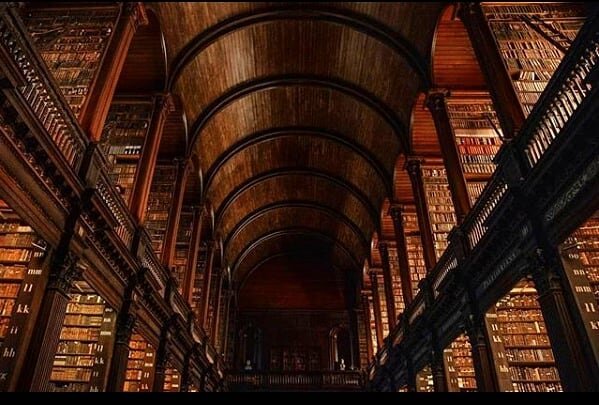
(413, 166)
(137, 13)
(124, 328)
(542, 265)
(435, 100)
(165, 104)
(395, 212)
(63, 273)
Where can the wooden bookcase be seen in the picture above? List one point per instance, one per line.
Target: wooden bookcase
(23, 274)
(172, 380)
(198, 283)
(413, 248)
(424, 380)
(440, 205)
(183, 245)
(72, 41)
(159, 203)
(139, 376)
(524, 360)
(383, 303)
(372, 324)
(396, 281)
(459, 368)
(530, 57)
(587, 238)
(478, 138)
(123, 138)
(83, 356)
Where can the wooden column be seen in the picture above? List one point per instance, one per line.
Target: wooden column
(95, 110)
(436, 101)
(424, 222)
(482, 358)
(506, 101)
(125, 323)
(577, 371)
(354, 339)
(376, 304)
(367, 320)
(217, 298)
(162, 357)
(388, 282)
(411, 373)
(163, 105)
(44, 342)
(170, 237)
(192, 258)
(211, 246)
(402, 254)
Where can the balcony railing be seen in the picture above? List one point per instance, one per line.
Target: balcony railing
(564, 97)
(330, 380)
(39, 90)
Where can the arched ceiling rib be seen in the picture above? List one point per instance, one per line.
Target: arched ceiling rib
(292, 240)
(298, 114)
(287, 217)
(304, 186)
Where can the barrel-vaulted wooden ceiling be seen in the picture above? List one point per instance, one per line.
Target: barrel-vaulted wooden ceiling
(297, 113)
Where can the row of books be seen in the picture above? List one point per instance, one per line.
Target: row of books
(9, 290)
(140, 365)
(15, 255)
(534, 373)
(16, 239)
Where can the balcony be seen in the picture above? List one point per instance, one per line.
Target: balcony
(296, 381)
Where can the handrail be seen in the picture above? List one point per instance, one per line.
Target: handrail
(40, 91)
(108, 194)
(566, 91)
(323, 379)
(447, 262)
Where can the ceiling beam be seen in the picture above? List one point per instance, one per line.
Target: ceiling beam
(346, 18)
(303, 231)
(302, 80)
(316, 132)
(303, 171)
(278, 205)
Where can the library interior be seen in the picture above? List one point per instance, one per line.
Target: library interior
(348, 196)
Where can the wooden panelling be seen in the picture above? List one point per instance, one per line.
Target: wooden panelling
(402, 188)
(294, 106)
(289, 217)
(454, 63)
(296, 152)
(145, 67)
(307, 47)
(423, 132)
(291, 282)
(303, 244)
(296, 187)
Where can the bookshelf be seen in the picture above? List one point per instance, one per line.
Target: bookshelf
(528, 56)
(140, 365)
(22, 263)
(413, 248)
(82, 359)
(172, 380)
(72, 42)
(198, 283)
(380, 280)
(424, 380)
(122, 140)
(396, 281)
(440, 205)
(459, 367)
(159, 202)
(522, 351)
(478, 138)
(183, 245)
(587, 237)
(372, 324)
